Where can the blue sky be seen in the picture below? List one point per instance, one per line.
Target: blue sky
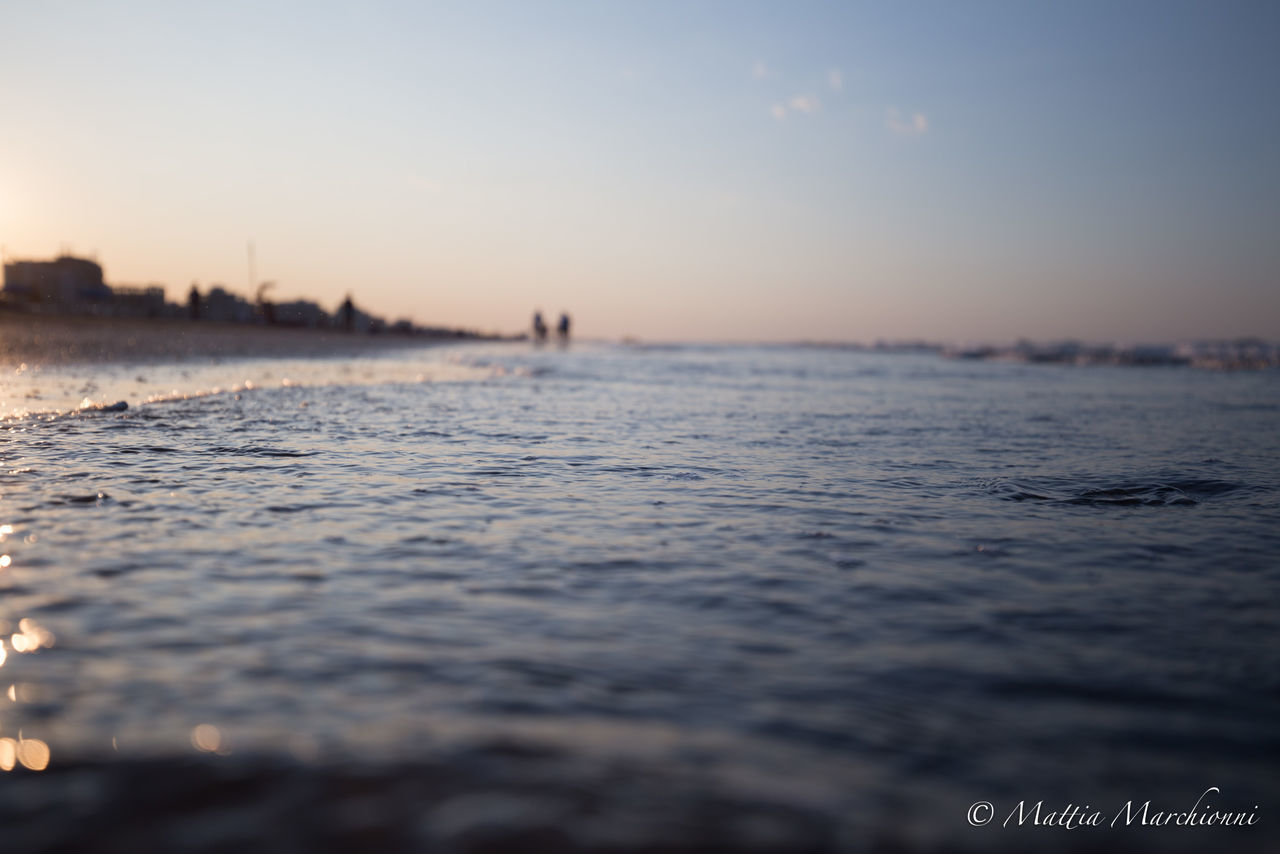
(957, 171)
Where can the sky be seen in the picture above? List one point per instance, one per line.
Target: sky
(976, 171)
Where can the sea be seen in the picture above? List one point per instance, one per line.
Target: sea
(491, 596)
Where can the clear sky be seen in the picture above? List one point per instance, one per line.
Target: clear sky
(668, 170)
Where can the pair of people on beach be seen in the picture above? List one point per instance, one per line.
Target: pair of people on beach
(540, 327)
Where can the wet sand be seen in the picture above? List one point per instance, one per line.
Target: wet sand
(54, 340)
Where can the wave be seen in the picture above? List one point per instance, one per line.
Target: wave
(97, 390)
(1177, 492)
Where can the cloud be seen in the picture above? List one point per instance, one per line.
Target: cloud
(760, 71)
(805, 103)
(835, 79)
(913, 125)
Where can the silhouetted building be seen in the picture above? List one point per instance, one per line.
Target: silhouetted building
(361, 321)
(64, 280)
(219, 304)
(75, 286)
(137, 301)
(301, 313)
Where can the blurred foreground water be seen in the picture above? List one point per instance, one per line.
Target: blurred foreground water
(756, 598)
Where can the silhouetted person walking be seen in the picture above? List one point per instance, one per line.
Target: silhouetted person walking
(539, 327)
(347, 313)
(563, 327)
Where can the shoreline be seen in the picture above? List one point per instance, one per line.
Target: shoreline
(54, 340)
(53, 365)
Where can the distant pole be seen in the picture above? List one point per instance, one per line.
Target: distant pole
(252, 273)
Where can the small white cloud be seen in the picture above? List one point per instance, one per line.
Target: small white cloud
(759, 71)
(805, 103)
(779, 111)
(835, 79)
(912, 125)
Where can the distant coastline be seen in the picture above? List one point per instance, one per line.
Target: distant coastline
(1235, 354)
(71, 287)
(52, 339)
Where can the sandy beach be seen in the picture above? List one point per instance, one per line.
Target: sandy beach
(50, 340)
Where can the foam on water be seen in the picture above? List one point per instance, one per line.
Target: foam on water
(28, 390)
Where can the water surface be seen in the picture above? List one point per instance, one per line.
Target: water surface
(765, 596)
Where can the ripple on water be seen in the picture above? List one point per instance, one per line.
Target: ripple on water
(1185, 492)
(740, 585)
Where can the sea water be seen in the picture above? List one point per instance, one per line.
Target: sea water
(616, 596)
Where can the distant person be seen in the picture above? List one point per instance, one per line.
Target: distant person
(563, 327)
(267, 310)
(193, 303)
(539, 327)
(347, 313)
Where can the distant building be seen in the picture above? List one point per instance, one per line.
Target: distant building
(351, 318)
(138, 302)
(224, 306)
(301, 313)
(74, 286)
(63, 281)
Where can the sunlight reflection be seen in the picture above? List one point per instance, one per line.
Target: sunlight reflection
(192, 384)
(31, 636)
(32, 753)
(206, 738)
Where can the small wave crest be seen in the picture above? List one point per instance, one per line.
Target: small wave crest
(1178, 492)
(94, 389)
